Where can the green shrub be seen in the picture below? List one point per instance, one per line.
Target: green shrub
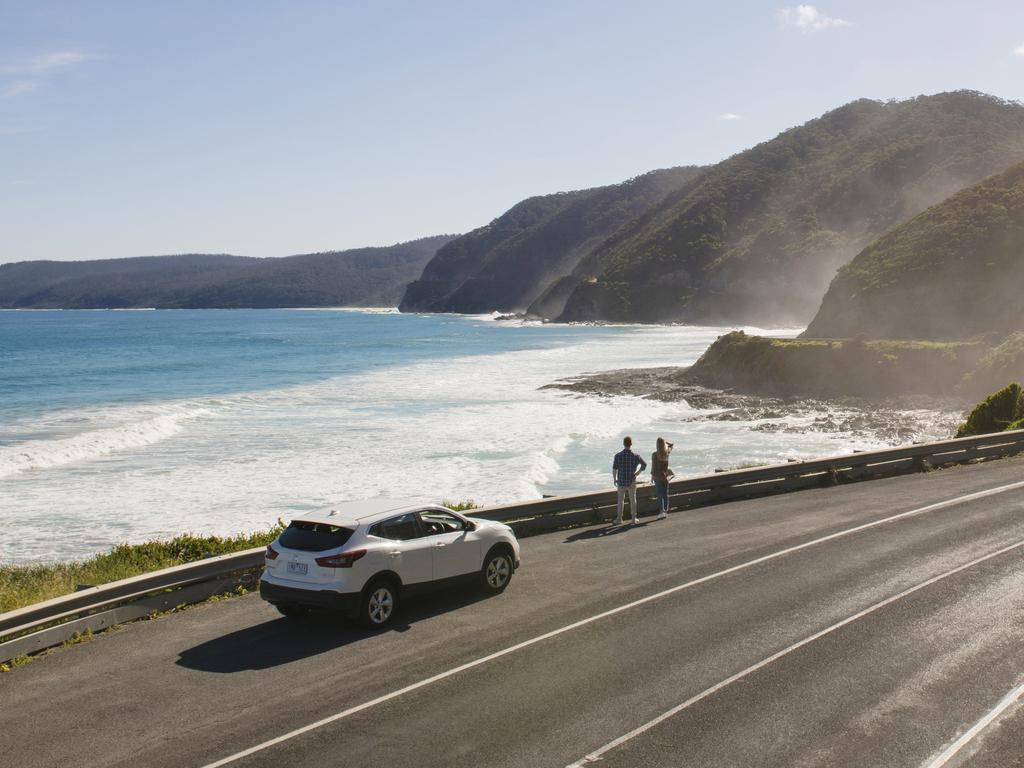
(461, 506)
(997, 412)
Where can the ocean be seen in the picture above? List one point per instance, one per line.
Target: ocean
(122, 426)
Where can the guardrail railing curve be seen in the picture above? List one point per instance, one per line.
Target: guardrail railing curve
(36, 627)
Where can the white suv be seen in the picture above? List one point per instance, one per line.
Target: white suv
(362, 557)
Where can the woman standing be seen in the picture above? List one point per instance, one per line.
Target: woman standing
(660, 474)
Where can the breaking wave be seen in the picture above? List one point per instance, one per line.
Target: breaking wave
(59, 450)
(454, 427)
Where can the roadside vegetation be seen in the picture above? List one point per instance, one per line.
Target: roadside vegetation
(22, 585)
(461, 506)
(998, 412)
(26, 585)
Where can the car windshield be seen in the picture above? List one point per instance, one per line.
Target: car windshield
(313, 537)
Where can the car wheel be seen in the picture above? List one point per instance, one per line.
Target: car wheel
(497, 570)
(292, 611)
(380, 600)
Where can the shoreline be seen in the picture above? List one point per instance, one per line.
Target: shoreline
(244, 460)
(892, 419)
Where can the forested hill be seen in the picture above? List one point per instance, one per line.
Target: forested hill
(758, 237)
(359, 277)
(509, 263)
(953, 272)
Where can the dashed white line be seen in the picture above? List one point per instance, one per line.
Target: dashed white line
(605, 614)
(977, 728)
(597, 754)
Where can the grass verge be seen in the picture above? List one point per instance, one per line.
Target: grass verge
(22, 585)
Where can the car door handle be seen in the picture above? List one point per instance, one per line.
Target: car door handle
(439, 544)
(395, 552)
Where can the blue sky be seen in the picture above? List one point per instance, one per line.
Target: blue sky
(272, 128)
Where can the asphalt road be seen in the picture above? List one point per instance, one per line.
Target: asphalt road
(810, 629)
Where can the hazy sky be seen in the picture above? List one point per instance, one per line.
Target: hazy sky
(270, 128)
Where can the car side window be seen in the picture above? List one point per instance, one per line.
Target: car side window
(399, 528)
(436, 522)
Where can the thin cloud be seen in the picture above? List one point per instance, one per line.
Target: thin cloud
(17, 88)
(807, 18)
(28, 74)
(730, 116)
(44, 63)
(1019, 50)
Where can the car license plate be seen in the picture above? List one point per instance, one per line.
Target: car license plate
(300, 568)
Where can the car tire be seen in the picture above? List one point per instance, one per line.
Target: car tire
(292, 611)
(497, 571)
(379, 603)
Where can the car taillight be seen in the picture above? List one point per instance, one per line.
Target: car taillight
(271, 553)
(344, 560)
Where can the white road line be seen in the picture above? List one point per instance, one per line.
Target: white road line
(596, 755)
(597, 617)
(978, 727)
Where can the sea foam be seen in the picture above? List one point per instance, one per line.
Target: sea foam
(89, 443)
(457, 427)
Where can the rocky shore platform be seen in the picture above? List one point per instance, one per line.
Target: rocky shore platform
(893, 420)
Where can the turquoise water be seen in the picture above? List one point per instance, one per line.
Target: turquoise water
(124, 426)
(64, 360)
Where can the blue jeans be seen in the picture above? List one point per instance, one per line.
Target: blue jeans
(662, 488)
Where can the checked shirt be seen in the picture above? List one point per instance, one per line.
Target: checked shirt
(624, 466)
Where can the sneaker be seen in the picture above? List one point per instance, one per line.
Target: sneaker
(662, 515)
(617, 522)
(635, 521)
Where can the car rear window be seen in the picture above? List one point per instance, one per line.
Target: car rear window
(314, 537)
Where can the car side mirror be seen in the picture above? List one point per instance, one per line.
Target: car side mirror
(469, 525)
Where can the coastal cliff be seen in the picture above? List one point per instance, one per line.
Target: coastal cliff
(510, 263)
(951, 272)
(753, 239)
(758, 237)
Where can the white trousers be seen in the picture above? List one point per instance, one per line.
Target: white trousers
(623, 490)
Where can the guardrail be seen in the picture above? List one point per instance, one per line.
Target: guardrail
(40, 626)
(568, 511)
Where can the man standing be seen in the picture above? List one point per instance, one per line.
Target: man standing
(625, 467)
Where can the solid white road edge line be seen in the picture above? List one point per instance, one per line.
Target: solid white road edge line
(596, 755)
(978, 727)
(590, 620)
